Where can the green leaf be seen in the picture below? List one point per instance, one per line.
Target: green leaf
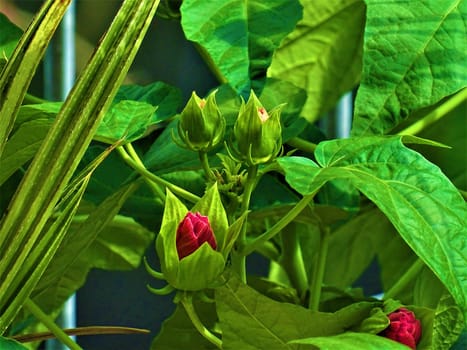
(22, 146)
(10, 344)
(418, 199)
(277, 92)
(250, 320)
(101, 240)
(354, 246)
(178, 331)
(451, 131)
(414, 55)
(240, 36)
(323, 54)
(9, 36)
(127, 120)
(448, 323)
(120, 245)
(352, 341)
(166, 97)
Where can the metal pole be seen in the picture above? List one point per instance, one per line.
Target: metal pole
(59, 77)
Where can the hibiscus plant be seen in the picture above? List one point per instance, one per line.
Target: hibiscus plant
(246, 172)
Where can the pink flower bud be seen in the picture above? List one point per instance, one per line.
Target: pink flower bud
(192, 232)
(403, 328)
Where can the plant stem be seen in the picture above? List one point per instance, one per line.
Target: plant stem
(238, 258)
(187, 303)
(274, 230)
(302, 144)
(292, 261)
(156, 179)
(318, 275)
(436, 114)
(203, 157)
(132, 153)
(405, 279)
(50, 324)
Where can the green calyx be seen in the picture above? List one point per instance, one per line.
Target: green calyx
(202, 268)
(201, 126)
(257, 132)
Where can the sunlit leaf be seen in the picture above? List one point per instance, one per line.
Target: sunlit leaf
(414, 55)
(418, 199)
(323, 54)
(240, 36)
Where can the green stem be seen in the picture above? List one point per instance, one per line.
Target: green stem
(436, 114)
(238, 258)
(203, 157)
(155, 187)
(50, 324)
(407, 278)
(318, 275)
(156, 179)
(292, 261)
(302, 144)
(210, 63)
(187, 303)
(274, 230)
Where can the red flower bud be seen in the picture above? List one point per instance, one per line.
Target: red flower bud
(403, 328)
(192, 232)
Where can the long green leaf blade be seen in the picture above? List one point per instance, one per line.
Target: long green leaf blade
(17, 74)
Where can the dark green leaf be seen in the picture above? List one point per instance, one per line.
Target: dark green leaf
(240, 36)
(352, 341)
(451, 131)
(448, 323)
(323, 54)
(10, 344)
(9, 36)
(101, 240)
(22, 146)
(414, 55)
(353, 247)
(178, 331)
(422, 204)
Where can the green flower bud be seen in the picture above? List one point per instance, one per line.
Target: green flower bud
(193, 245)
(258, 133)
(201, 126)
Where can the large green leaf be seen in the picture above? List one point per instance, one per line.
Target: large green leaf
(353, 341)
(422, 204)
(251, 321)
(414, 55)
(323, 54)
(166, 97)
(240, 36)
(125, 120)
